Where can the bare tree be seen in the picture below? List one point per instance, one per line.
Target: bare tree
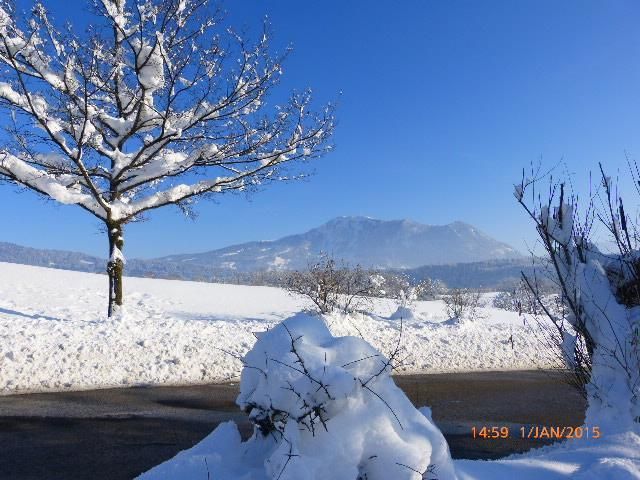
(600, 334)
(158, 104)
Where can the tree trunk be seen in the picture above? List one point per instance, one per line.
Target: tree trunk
(115, 267)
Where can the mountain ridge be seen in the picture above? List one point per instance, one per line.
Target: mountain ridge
(367, 241)
(499, 273)
(402, 244)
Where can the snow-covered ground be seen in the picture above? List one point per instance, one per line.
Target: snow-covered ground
(611, 457)
(54, 334)
(614, 458)
(326, 407)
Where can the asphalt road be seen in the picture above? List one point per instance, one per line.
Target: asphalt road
(116, 434)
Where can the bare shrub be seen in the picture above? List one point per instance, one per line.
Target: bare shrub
(462, 303)
(357, 287)
(332, 286)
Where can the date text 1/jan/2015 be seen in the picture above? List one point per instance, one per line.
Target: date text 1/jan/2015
(536, 432)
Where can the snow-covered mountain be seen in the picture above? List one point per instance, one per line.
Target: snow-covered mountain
(363, 240)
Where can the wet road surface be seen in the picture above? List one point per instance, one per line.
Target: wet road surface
(116, 434)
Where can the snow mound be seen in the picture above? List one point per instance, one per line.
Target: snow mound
(403, 313)
(323, 407)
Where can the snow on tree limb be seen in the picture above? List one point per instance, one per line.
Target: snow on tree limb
(601, 292)
(161, 106)
(61, 188)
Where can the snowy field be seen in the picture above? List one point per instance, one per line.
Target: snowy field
(54, 334)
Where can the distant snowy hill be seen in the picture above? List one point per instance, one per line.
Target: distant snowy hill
(458, 254)
(10, 252)
(369, 242)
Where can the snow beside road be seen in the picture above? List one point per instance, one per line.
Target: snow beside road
(54, 334)
(326, 407)
(615, 457)
(323, 407)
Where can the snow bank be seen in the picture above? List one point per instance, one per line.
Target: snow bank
(323, 407)
(611, 457)
(402, 313)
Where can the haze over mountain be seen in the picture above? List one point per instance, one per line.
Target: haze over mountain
(373, 243)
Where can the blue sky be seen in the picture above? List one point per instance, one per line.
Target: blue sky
(441, 105)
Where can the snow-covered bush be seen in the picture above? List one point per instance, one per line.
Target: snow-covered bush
(323, 408)
(600, 332)
(462, 303)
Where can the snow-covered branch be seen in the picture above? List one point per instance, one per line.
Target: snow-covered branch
(135, 114)
(602, 294)
(62, 188)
